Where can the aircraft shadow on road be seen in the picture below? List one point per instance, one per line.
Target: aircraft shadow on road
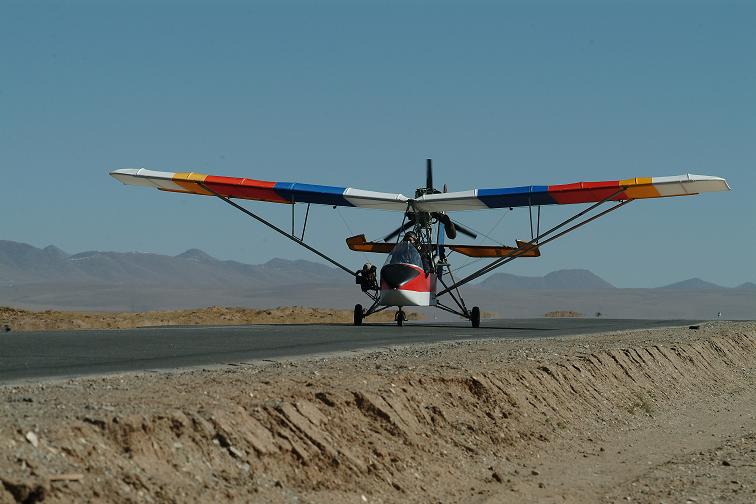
(411, 325)
(467, 326)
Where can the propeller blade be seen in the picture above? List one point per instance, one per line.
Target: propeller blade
(449, 227)
(442, 233)
(441, 251)
(464, 230)
(429, 175)
(398, 230)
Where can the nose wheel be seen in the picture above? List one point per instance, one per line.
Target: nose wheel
(400, 317)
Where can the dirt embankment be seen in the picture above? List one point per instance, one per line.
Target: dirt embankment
(597, 418)
(25, 320)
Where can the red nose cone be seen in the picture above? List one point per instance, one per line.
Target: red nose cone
(396, 275)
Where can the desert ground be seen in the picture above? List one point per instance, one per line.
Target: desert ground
(54, 320)
(664, 415)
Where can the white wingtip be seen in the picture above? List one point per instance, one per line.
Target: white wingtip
(712, 184)
(146, 178)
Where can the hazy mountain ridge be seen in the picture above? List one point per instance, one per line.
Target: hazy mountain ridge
(196, 255)
(24, 264)
(581, 279)
(692, 283)
(572, 279)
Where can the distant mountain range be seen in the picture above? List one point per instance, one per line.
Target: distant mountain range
(24, 264)
(36, 278)
(21, 263)
(576, 279)
(698, 284)
(581, 279)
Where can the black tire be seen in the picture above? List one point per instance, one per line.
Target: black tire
(358, 315)
(475, 316)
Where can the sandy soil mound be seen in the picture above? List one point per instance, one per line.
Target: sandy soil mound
(24, 320)
(583, 419)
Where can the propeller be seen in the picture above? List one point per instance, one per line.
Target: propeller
(451, 228)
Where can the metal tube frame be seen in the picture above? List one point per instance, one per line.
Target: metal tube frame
(373, 309)
(459, 302)
(537, 240)
(445, 308)
(278, 229)
(576, 226)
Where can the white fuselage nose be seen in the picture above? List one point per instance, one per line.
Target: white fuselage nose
(399, 297)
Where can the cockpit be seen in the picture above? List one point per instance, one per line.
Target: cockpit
(406, 253)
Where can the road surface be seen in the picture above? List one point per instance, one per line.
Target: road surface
(58, 354)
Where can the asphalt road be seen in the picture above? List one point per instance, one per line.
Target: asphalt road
(59, 354)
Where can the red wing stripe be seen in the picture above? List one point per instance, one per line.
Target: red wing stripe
(244, 188)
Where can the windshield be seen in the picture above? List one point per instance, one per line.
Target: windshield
(405, 252)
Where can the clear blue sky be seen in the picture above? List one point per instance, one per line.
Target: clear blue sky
(359, 94)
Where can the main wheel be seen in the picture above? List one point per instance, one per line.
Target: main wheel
(475, 316)
(358, 315)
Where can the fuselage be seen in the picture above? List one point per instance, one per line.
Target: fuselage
(407, 279)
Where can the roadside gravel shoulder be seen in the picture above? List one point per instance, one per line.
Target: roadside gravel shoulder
(589, 418)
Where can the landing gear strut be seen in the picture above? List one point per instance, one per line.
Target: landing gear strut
(400, 317)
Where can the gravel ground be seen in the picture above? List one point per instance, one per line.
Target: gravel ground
(13, 319)
(661, 415)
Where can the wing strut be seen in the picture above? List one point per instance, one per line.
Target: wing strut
(460, 302)
(278, 229)
(519, 251)
(304, 226)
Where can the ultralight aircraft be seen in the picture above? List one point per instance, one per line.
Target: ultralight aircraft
(417, 271)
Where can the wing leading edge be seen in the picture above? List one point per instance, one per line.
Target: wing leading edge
(566, 194)
(260, 190)
(475, 199)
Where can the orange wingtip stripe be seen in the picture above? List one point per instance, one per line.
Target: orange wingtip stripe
(188, 180)
(639, 188)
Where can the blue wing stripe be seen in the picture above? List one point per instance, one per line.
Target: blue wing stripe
(515, 196)
(312, 193)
